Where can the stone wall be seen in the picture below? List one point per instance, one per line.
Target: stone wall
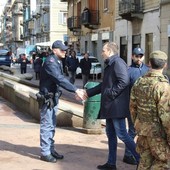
(24, 98)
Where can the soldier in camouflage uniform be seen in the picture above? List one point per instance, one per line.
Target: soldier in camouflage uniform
(150, 112)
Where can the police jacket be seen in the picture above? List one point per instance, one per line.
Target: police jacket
(52, 77)
(150, 105)
(136, 71)
(114, 89)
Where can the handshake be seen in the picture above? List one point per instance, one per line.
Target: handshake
(81, 94)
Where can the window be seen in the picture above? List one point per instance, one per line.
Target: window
(123, 48)
(62, 17)
(105, 5)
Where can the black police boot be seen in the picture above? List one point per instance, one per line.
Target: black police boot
(107, 166)
(56, 155)
(48, 158)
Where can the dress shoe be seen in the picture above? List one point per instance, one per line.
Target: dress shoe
(56, 155)
(48, 158)
(130, 160)
(107, 166)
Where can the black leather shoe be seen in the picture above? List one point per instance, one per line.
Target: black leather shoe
(130, 160)
(56, 155)
(48, 158)
(107, 167)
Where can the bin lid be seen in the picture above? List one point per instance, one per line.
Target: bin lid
(89, 85)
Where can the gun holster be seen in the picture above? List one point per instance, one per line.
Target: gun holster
(40, 99)
(45, 99)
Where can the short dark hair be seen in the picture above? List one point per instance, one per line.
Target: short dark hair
(157, 63)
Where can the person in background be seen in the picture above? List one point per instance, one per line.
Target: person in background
(72, 63)
(43, 56)
(65, 70)
(114, 105)
(23, 63)
(37, 66)
(85, 65)
(150, 112)
(51, 81)
(136, 70)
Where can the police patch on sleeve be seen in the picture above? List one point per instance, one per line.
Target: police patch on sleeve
(52, 60)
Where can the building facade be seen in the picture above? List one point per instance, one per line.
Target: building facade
(132, 23)
(142, 24)
(165, 29)
(31, 22)
(90, 24)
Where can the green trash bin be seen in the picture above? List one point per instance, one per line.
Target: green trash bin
(91, 109)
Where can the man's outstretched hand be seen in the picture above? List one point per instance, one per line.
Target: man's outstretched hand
(81, 94)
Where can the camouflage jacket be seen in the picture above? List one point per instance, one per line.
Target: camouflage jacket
(150, 105)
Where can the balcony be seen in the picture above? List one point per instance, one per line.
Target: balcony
(18, 12)
(46, 7)
(74, 23)
(90, 18)
(36, 15)
(129, 11)
(164, 2)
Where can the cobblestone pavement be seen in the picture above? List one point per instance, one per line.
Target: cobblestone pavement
(19, 145)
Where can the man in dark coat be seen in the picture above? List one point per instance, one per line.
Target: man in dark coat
(72, 63)
(23, 63)
(114, 103)
(85, 65)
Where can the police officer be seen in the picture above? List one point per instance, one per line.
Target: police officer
(150, 112)
(136, 70)
(51, 80)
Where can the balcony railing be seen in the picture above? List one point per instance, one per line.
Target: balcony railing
(129, 10)
(163, 2)
(74, 23)
(90, 17)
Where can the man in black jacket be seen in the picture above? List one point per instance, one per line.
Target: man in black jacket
(72, 63)
(85, 65)
(114, 103)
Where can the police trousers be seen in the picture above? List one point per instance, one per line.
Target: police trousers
(154, 153)
(47, 129)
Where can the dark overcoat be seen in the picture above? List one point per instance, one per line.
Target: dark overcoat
(114, 89)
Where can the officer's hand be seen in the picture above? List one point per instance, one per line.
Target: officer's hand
(81, 94)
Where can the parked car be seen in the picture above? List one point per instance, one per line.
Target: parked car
(5, 57)
(96, 69)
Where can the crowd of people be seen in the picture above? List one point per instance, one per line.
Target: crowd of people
(139, 93)
(70, 63)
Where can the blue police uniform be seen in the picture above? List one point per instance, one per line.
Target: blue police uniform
(136, 71)
(51, 80)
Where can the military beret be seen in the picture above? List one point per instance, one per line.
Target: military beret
(60, 45)
(158, 55)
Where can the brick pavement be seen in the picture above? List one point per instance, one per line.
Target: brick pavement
(19, 145)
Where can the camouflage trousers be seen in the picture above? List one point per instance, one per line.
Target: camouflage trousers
(154, 153)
